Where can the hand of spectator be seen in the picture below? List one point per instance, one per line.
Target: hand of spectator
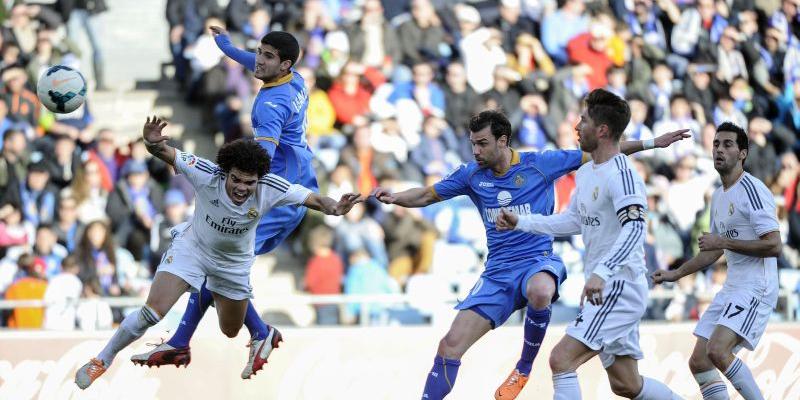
(593, 290)
(175, 34)
(217, 30)
(383, 195)
(661, 276)
(506, 220)
(709, 242)
(669, 138)
(114, 290)
(151, 132)
(347, 202)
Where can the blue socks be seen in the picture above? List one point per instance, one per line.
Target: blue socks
(198, 304)
(254, 323)
(536, 322)
(441, 378)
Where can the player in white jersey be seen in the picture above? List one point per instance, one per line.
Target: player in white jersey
(744, 227)
(608, 209)
(218, 242)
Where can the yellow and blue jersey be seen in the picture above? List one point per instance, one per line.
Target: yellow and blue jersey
(526, 188)
(279, 113)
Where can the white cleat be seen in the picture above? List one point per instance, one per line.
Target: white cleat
(164, 354)
(260, 351)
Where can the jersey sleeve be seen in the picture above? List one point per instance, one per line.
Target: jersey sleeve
(556, 163)
(198, 171)
(760, 206)
(276, 192)
(246, 58)
(271, 114)
(563, 224)
(454, 184)
(626, 188)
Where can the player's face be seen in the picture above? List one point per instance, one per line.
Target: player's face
(240, 185)
(726, 152)
(485, 148)
(587, 133)
(268, 64)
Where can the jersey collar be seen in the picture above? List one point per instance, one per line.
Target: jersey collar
(514, 161)
(285, 79)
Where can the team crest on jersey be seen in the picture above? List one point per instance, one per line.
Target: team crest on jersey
(519, 180)
(595, 193)
(730, 209)
(252, 213)
(214, 202)
(503, 198)
(169, 260)
(189, 159)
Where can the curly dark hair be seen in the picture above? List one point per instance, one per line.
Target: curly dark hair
(607, 108)
(500, 126)
(244, 154)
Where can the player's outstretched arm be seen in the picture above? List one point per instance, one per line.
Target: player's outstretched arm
(223, 40)
(634, 146)
(411, 198)
(330, 206)
(563, 224)
(155, 142)
(697, 263)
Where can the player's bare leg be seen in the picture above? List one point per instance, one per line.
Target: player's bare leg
(719, 350)
(164, 292)
(625, 380)
(540, 289)
(705, 373)
(467, 328)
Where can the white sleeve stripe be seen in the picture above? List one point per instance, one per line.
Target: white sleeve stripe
(755, 201)
(630, 244)
(278, 182)
(282, 190)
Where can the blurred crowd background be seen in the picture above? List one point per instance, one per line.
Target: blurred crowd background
(84, 212)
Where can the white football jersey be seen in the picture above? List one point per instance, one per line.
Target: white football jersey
(746, 211)
(224, 231)
(606, 196)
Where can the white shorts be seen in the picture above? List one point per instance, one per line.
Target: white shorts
(613, 327)
(185, 260)
(738, 311)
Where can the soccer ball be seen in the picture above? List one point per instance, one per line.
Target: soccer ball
(61, 89)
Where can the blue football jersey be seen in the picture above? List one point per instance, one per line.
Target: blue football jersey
(526, 188)
(279, 112)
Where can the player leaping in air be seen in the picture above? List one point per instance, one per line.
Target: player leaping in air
(608, 208)
(521, 269)
(218, 242)
(279, 124)
(744, 227)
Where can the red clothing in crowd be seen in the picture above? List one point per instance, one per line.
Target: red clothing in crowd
(580, 52)
(324, 274)
(348, 106)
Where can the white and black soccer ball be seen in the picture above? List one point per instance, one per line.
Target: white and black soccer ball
(61, 89)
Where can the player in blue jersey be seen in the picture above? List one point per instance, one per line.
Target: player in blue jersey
(279, 125)
(521, 269)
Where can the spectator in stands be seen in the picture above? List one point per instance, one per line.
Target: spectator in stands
(23, 105)
(35, 196)
(358, 231)
(591, 48)
(65, 162)
(30, 285)
(512, 23)
(700, 27)
(537, 129)
(461, 101)
(83, 15)
(561, 26)
(67, 226)
(761, 155)
(132, 206)
(421, 36)
(366, 276)
(13, 159)
(14, 231)
(62, 295)
(730, 61)
(89, 189)
(324, 273)
(106, 151)
(47, 249)
(185, 18)
(373, 41)
(434, 154)
(106, 269)
(350, 95)
(175, 212)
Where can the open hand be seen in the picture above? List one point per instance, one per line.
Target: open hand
(506, 220)
(152, 130)
(669, 138)
(347, 202)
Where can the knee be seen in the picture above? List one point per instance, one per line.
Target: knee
(718, 354)
(626, 388)
(540, 294)
(229, 331)
(558, 365)
(451, 346)
(698, 364)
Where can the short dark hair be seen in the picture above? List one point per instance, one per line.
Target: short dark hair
(11, 132)
(607, 108)
(500, 126)
(741, 136)
(244, 154)
(285, 43)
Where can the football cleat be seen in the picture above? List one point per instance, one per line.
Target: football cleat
(260, 351)
(164, 354)
(89, 372)
(512, 386)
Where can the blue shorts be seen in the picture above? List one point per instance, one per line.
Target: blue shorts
(501, 288)
(294, 165)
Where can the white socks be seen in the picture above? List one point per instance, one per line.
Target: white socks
(566, 387)
(711, 385)
(132, 327)
(742, 380)
(655, 390)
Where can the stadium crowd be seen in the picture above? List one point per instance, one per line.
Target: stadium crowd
(391, 86)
